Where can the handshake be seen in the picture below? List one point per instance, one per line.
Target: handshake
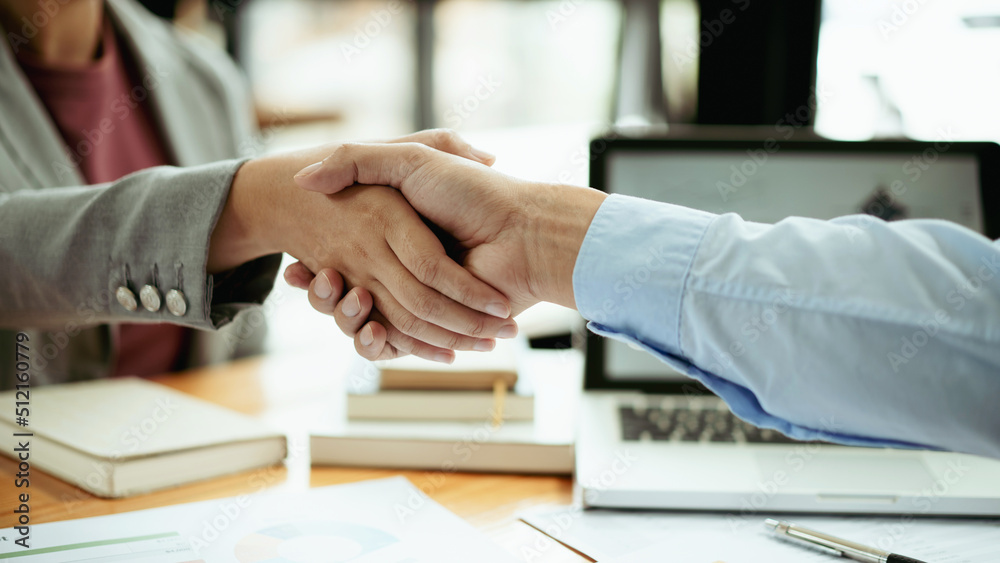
(359, 218)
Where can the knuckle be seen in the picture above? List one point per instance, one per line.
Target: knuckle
(398, 341)
(414, 156)
(465, 293)
(445, 137)
(427, 268)
(456, 342)
(409, 324)
(478, 326)
(426, 305)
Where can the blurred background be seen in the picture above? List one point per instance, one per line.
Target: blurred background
(533, 80)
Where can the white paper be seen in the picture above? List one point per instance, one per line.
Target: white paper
(646, 537)
(382, 521)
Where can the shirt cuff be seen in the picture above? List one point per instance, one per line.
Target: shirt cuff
(615, 262)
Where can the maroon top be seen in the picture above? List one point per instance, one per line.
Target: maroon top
(103, 114)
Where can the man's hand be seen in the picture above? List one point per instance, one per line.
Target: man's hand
(520, 237)
(374, 240)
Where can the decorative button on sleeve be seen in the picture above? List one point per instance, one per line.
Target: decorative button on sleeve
(126, 298)
(150, 298)
(176, 303)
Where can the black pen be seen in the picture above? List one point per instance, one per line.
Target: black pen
(834, 546)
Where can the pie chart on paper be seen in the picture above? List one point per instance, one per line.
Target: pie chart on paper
(311, 542)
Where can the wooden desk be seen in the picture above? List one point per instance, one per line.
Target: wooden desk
(262, 387)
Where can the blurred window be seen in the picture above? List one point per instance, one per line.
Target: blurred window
(924, 69)
(500, 63)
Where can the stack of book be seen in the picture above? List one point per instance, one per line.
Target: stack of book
(477, 414)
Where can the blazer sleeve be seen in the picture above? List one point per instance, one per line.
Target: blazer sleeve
(82, 255)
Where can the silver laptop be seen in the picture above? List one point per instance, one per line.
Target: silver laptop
(653, 438)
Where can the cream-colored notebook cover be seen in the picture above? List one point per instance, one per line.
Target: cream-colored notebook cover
(123, 436)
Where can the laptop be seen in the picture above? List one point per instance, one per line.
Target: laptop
(651, 438)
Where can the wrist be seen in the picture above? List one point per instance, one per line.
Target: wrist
(264, 211)
(242, 231)
(555, 223)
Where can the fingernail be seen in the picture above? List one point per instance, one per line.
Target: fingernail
(308, 170)
(498, 310)
(485, 345)
(507, 331)
(444, 358)
(367, 336)
(352, 306)
(323, 287)
(482, 155)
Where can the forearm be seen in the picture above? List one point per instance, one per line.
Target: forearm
(854, 326)
(803, 326)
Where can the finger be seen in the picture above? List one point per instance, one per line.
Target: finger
(353, 311)
(325, 290)
(372, 340)
(382, 164)
(298, 276)
(385, 342)
(370, 343)
(447, 140)
(420, 330)
(424, 257)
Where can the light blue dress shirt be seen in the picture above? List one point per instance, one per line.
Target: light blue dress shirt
(853, 330)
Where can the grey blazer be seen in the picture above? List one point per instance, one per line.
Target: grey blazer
(67, 248)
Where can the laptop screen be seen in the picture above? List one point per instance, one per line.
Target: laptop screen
(812, 179)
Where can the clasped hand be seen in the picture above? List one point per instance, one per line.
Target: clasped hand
(518, 237)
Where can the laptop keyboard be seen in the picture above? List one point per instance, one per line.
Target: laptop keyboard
(688, 424)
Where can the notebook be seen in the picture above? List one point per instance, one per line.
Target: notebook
(125, 436)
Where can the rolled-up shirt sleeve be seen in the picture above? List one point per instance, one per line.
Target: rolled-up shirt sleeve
(853, 330)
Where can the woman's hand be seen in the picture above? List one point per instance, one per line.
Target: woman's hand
(375, 240)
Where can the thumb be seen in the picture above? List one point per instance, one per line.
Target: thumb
(387, 164)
